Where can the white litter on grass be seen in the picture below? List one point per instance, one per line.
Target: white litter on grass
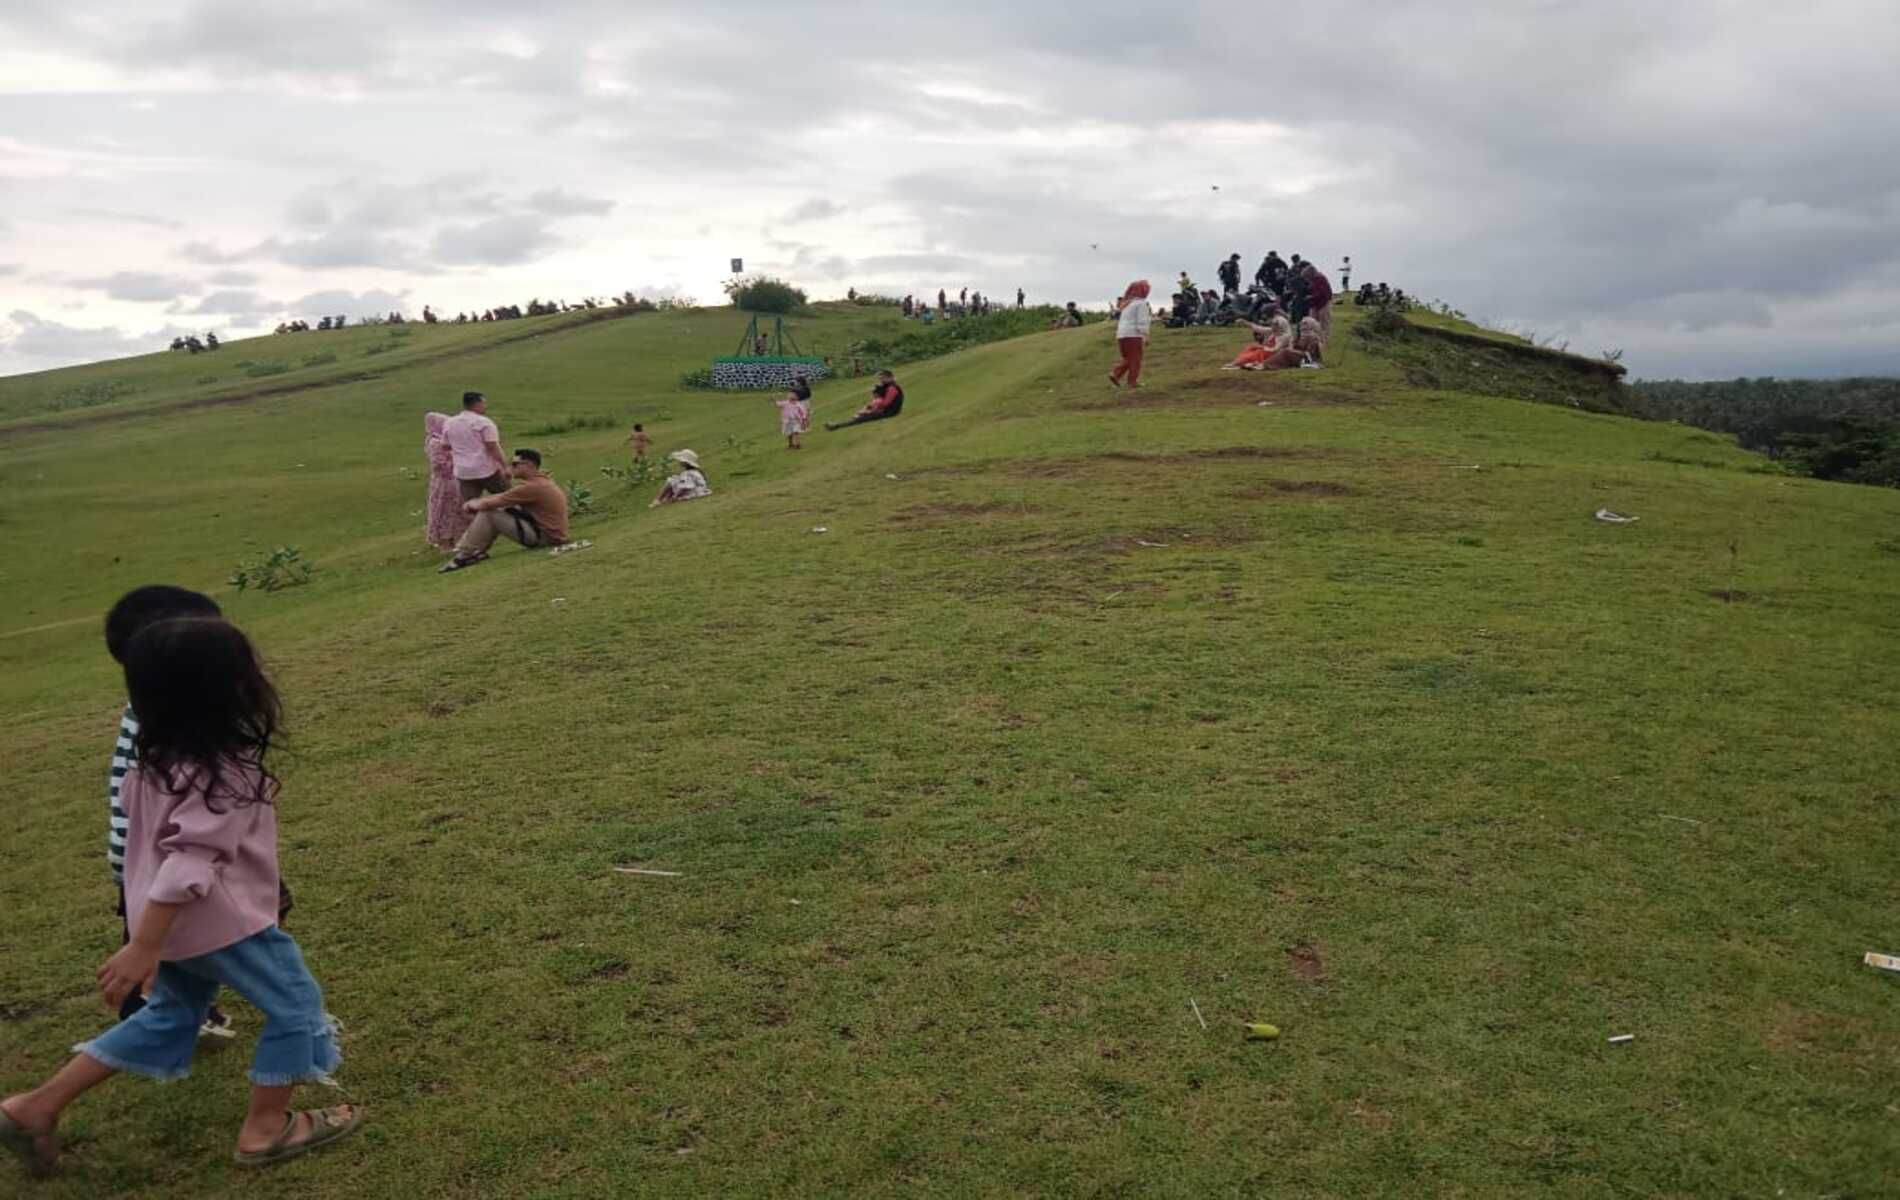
(558, 601)
(820, 529)
(1610, 518)
(1151, 545)
(1884, 962)
(1622, 1038)
(1263, 404)
(890, 477)
(1461, 467)
(645, 871)
(569, 548)
(1197, 1013)
(1684, 820)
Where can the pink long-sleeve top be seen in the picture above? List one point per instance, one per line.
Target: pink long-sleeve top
(221, 866)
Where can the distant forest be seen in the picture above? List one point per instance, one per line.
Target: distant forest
(1843, 429)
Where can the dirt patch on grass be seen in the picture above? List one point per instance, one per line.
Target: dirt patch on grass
(1148, 542)
(1064, 468)
(611, 970)
(1306, 963)
(935, 513)
(1791, 1030)
(1226, 389)
(1294, 487)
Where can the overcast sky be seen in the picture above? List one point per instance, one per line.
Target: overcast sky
(1711, 185)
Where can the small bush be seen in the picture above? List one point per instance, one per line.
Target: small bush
(762, 293)
(873, 300)
(636, 474)
(697, 380)
(573, 425)
(284, 567)
(580, 498)
(86, 395)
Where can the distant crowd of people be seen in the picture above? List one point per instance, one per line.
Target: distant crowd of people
(1382, 297)
(966, 304)
(191, 344)
(1297, 286)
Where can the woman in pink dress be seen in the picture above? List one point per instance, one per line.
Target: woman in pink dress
(447, 521)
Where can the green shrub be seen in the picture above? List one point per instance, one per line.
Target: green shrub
(873, 300)
(636, 474)
(697, 380)
(573, 425)
(920, 341)
(282, 568)
(86, 395)
(762, 293)
(580, 498)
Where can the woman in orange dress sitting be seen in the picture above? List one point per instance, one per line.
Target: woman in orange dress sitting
(1270, 343)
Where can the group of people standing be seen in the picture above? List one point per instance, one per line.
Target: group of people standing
(967, 304)
(1295, 305)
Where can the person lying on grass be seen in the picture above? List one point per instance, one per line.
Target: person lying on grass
(201, 891)
(689, 483)
(533, 512)
(887, 400)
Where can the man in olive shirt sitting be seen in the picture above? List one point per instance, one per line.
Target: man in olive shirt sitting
(532, 512)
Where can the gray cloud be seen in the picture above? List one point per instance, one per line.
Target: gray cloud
(231, 278)
(116, 217)
(139, 286)
(1711, 187)
(336, 302)
(815, 209)
(558, 203)
(9, 269)
(37, 340)
(237, 304)
(496, 242)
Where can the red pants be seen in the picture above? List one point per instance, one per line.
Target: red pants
(1130, 365)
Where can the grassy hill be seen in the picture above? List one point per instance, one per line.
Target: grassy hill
(1316, 699)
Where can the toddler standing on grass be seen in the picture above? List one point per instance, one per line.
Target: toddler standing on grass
(201, 892)
(794, 412)
(640, 442)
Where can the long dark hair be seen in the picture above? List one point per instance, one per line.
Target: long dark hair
(203, 702)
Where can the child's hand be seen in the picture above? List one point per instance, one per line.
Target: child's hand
(134, 966)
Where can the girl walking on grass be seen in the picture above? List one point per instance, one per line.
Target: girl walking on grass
(1131, 332)
(201, 902)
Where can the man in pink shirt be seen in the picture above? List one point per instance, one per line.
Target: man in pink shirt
(475, 445)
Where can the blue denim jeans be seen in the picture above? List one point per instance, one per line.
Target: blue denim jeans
(298, 1044)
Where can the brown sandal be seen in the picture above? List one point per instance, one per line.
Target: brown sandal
(325, 1126)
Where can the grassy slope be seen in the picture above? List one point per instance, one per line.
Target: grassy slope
(974, 791)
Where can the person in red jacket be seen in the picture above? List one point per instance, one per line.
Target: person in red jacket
(887, 400)
(1319, 299)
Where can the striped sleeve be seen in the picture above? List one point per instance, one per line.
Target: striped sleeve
(125, 756)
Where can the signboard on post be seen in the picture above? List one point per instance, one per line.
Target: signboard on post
(738, 266)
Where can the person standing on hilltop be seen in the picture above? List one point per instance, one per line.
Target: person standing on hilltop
(1319, 299)
(1131, 333)
(1229, 273)
(1019, 297)
(475, 449)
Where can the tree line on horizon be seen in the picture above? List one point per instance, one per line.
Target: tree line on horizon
(1847, 430)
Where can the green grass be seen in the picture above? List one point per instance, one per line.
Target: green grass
(1103, 703)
